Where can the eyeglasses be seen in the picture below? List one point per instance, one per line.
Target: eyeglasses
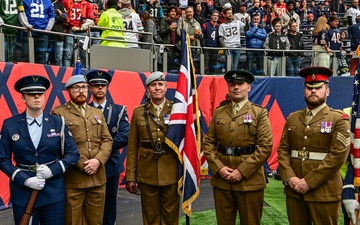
(78, 88)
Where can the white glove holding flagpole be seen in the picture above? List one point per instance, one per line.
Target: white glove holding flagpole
(351, 205)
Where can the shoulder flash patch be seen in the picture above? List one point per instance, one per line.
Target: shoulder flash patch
(345, 116)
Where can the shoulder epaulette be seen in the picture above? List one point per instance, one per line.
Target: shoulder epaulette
(257, 105)
(298, 111)
(344, 115)
(142, 105)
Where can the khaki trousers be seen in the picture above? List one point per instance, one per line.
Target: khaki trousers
(85, 206)
(160, 204)
(249, 204)
(301, 212)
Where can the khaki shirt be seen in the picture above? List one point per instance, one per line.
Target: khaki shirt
(93, 140)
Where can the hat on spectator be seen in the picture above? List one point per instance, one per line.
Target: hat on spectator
(316, 76)
(75, 80)
(126, 2)
(155, 76)
(33, 84)
(227, 6)
(111, 3)
(98, 77)
(242, 4)
(239, 76)
(143, 13)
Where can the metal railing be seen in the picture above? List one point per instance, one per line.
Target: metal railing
(163, 56)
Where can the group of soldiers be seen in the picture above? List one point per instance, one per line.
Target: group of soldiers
(72, 155)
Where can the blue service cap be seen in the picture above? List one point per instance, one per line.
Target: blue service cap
(33, 84)
(155, 76)
(75, 79)
(98, 77)
(239, 76)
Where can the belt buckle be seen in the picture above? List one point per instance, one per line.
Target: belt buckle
(33, 168)
(303, 154)
(158, 146)
(230, 150)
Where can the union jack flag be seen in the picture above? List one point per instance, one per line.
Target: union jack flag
(183, 135)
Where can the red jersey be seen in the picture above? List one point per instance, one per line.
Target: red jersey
(78, 11)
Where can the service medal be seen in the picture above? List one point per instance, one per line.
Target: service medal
(328, 127)
(323, 125)
(15, 137)
(97, 119)
(166, 119)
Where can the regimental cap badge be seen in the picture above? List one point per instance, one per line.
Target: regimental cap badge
(98, 77)
(239, 76)
(33, 84)
(35, 79)
(313, 77)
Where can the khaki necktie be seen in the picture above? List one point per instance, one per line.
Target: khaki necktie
(82, 110)
(308, 117)
(236, 108)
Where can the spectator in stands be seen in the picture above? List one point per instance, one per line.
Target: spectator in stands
(256, 9)
(302, 11)
(353, 12)
(280, 7)
(154, 8)
(211, 39)
(13, 16)
(293, 58)
(222, 15)
(334, 41)
(272, 14)
(96, 15)
(267, 7)
(192, 27)
(111, 18)
(309, 25)
(219, 5)
(57, 41)
(354, 34)
(242, 14)
(235, 5)
(149, 26)
(322, 10)
(167, 27)
(205, 7)
(199, 14)
(255, 38)
(312, 7)
(290, 15)
(40, 20)
(132, 22)
(276, 40)
(321, 43)
(79, 20)
(229, 36)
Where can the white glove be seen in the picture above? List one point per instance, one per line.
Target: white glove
(35, 183)
(44, 172)
(350, 206)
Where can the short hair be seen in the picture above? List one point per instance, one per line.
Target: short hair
(333, 18)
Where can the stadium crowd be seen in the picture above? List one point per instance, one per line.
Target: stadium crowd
(246, 30)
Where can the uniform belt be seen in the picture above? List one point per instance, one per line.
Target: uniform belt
(31, 168)
(303, 154)
(236, 151)
(158, 145)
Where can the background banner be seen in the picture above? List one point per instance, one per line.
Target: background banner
(280, 95)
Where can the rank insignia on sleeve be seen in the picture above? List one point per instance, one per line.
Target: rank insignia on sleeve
(342, 139)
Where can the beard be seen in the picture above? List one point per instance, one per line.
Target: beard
(80, 99)
(314, 101)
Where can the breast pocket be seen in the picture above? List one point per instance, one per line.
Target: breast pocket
(143, 133)
(247, 131)
(74, 128)
(221, 128)
(96, 128)
(321, 139)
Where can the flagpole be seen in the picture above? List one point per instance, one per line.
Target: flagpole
(187, 220)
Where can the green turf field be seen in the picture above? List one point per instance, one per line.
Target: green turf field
(273, 214)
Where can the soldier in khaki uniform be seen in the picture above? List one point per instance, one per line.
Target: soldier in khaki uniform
(149, 159)
(85, 183)
(237, 144)
(314, 144)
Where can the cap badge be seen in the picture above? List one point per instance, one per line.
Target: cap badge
(99, 73)
(234, 75)
(313, 76)
(35, 79)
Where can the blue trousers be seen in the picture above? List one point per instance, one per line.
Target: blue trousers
(52, 214)
(235, 57)
(112, 186)
(292, 66)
